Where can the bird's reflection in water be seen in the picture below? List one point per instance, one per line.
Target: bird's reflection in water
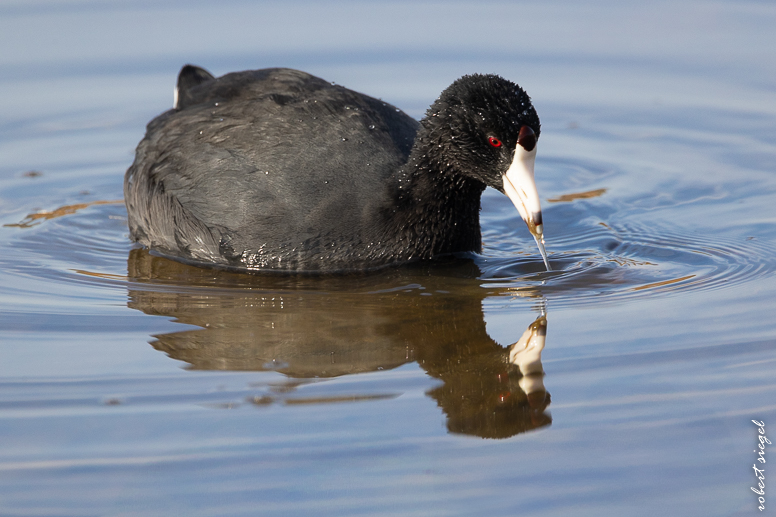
(308, 327)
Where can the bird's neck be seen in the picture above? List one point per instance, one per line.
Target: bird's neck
(437, 210)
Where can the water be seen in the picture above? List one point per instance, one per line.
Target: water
(131, 385)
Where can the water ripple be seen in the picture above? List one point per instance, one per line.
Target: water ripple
(593, 261)
(631, 259)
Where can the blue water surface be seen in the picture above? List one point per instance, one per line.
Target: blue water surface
(131, 385)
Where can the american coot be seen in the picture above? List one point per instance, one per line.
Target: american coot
(278, 170)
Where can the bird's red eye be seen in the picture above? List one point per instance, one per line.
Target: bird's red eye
(495, 142)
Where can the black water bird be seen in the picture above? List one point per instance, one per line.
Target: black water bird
(278, 170)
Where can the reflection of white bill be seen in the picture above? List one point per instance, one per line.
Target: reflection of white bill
(526, 354)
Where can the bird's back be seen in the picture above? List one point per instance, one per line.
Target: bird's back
(268, 169)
